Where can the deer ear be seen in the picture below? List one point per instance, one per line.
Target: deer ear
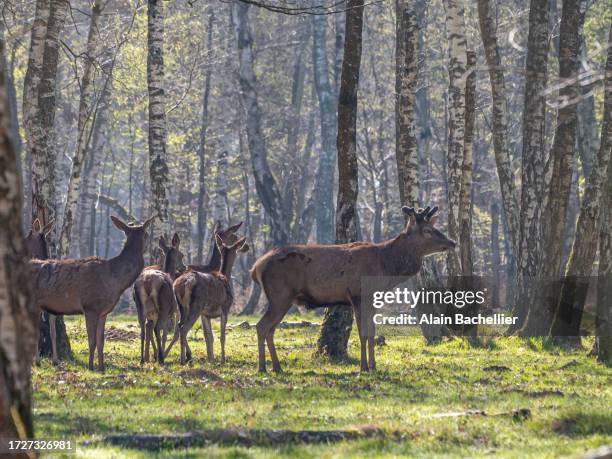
(219, 241)
(176, 241)
(148, 221)
(433, 220)
(36, 226)
(119, 224)
(408, 211)
(234, 228)
(47, 228)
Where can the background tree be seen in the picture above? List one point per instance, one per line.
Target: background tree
(336, 327)
(18, 317)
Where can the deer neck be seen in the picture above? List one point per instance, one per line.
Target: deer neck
(215, 262)
(129, 263)
(228, 263)
(170, 267)
(401, 257)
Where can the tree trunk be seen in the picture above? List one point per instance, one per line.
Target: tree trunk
(533, 158)
(562, 157)
(570, 307)
(457, 54)
(507, 185)
(88, 108)
(603, 321)
(495, 256)
(265, 183)
(18, 315)
(465, 196)
(336, 327)
(406, 153)
(202, 201)
(93, 164)
(324, 193)
(158, 167)
(39, 104)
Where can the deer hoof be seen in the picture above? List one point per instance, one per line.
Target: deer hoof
(262, 370)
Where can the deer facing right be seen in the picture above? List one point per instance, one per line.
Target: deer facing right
(91, 286)
(329, 275)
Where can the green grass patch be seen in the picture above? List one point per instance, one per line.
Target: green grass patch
(408, 399)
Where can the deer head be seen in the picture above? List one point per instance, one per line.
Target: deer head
(173, 257)
(36, 240)
(135, 233)
(420, 229)
(228, 253)
(228, 236)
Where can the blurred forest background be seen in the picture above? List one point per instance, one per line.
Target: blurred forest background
(225, 111)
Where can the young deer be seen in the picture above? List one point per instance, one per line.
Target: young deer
(228, 236)
(91, 286)
(155, 300)
(209, 295)
(328, 275)
(36, 245)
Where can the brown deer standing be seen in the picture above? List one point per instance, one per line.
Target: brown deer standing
(91, 286)
(328, 275)
(209, 295)
(228, 236)
(155, 300)
(36, 246)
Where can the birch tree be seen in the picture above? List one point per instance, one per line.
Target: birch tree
(18, 316)
(336, 327)
(568, 315)
(87, 112)
(405, 89)
(158, 167)
(327, 154)
(465, 194)
(499, 122)
(457, 54)
(533, 159)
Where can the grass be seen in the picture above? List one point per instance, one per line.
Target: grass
(569, 396)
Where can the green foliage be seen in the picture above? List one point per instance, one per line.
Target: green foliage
(567, 394)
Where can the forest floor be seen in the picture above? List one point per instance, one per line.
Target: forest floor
(449, 399)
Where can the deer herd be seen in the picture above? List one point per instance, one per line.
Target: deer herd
(172, 294)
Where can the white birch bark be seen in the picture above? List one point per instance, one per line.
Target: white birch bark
(87, 111)
(457, 53)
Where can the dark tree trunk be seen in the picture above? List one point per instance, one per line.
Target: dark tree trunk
(337, 324)
(202, 201)
(18, 315)
(495, 257)
(265, 183)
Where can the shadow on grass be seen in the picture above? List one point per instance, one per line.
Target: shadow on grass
(583, 424)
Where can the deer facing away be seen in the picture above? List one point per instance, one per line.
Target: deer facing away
(328, 275)
(229, 237)
(91, 286)
(36, 246)
(155, 300)
(209, 295)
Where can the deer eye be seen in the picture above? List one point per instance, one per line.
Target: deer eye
(427, 231)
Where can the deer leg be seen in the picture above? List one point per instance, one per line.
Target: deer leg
(278, 307)
(160, 348)
(185, 327)
(222, 337)
(208, 338)
(370, 330)
(141, 322)
(91, 323)
(100, 342)
(53, 334)
(363, 339)
(148, 338)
